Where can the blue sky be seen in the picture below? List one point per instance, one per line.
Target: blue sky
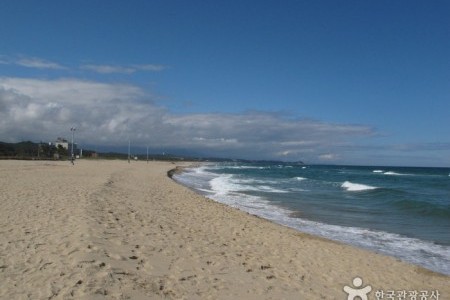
(346, 82)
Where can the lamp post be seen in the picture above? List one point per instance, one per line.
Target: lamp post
(129, 146)
(147, 154)
(71, 151)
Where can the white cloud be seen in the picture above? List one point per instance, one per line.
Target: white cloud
(107, 114)
(149, 67)
(39, 64)
(110, 69)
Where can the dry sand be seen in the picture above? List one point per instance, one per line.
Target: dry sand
(113, 230)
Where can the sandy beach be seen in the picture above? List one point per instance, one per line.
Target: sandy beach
(112, 230)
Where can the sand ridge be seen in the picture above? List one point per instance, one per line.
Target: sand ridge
(113, 230)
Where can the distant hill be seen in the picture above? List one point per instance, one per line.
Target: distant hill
(19, 150)
(31, 150)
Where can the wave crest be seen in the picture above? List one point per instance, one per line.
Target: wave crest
(394, 173)
(354, 187)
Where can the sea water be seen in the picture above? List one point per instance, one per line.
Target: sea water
(401, 212)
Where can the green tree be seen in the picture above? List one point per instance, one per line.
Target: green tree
(62, 151)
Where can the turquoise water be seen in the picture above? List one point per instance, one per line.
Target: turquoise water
(402, 212)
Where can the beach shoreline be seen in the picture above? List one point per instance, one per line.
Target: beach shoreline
(299, 198)
(112, 230)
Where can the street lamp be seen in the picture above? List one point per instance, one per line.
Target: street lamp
(129, 149)
(71, 152)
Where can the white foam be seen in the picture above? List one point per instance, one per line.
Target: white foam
(224, 184)
(427, 254)
(256, 181)
(225, 189)
(354, 187)
(377, 171)
(394, 173)
(197, 178)
(300, 178)
(298, 190)
(245, 167)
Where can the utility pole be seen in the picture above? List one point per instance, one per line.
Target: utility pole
(147, 154)
(71, 152)
(129, 146)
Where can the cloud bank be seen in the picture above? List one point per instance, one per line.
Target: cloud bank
(107, 114)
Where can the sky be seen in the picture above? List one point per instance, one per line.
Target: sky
(329, 82)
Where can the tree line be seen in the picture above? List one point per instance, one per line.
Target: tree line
(31, 150)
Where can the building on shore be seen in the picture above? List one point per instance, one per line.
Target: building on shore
(64, 143)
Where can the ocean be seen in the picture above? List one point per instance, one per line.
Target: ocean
(398, 211)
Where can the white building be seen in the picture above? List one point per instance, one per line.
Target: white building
(64, 143)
